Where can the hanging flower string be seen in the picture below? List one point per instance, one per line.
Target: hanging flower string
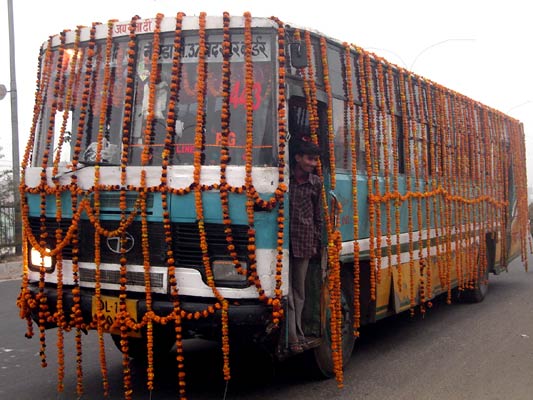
(199, 145)
(96, 194)
(59, 314)
(348, 87)
(277, 310)
(169, 139)
(145, 158)
(384, 128)
(248, 156)
(366, 88)
(331, 129)
(44, 312)
(333, 237)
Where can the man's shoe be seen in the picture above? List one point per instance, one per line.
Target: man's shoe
(296, 348)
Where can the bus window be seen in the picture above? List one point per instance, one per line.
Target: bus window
(187, 114)
(65, 135)
(93, 97)
(299, 128)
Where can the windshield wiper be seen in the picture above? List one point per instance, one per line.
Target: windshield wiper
(86, 164)
(97, 163)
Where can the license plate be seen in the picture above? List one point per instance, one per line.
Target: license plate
(110, 307)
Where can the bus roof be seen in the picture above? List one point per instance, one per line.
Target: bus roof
(168, 24)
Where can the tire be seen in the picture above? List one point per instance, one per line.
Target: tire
(480, 288)
(479, 291)
(322, 354)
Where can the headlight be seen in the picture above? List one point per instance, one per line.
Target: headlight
(224, 272)
(36, 261)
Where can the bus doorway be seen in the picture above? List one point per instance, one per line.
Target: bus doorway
(308, 261)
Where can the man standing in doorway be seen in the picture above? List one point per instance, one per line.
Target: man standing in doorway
(305, 232)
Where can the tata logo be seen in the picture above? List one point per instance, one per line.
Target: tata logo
(115, 244)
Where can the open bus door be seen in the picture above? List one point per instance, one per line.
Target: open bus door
(299, 129)
(316, 313)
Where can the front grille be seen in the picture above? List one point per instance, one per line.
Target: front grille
(51, 225)
(186, 242)
(113, 277)
(109, 251)
(111, 200)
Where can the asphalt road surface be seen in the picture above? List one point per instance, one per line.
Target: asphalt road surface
(461, 351)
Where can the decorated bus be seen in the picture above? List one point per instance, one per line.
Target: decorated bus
(155, 190)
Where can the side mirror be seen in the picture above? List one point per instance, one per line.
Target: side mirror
(298, 52)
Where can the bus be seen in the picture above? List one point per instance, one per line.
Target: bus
(155, 190)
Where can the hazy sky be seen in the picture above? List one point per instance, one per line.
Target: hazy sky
(480, 49)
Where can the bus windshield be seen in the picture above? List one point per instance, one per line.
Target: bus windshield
(89, 90)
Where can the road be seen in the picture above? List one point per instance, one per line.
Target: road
(460, 351)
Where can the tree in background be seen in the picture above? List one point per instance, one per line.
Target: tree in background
(7, 211)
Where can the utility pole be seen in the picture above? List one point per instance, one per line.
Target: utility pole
(14, 131)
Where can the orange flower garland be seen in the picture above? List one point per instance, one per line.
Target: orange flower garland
(145, 158)
(97, 249)
(334, 277)
(248, 85)
(425, 186)
(353, 148)
(171, 117)
(277, 311)
(406, 130)
(224, 150)
(384, 128)
(366, 95)
(395, 172)
(199, 143)
(331, 133)
(59, 314)
(417, 147)
(44, 313)
(374, 209)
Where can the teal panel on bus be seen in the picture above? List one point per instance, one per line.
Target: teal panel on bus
(344, 193)
(34, 204)
(183, 209)
(388, 218)
(110, 206)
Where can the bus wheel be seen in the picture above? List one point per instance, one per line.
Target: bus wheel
(477, 293)
(322, 354)
(164, 340)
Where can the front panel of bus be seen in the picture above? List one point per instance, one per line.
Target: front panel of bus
(85, 169)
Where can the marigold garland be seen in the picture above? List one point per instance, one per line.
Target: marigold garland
(171, 117)
(333, 236)
(277, 311)
(367, 97)
(384, 129)
(425, 185)
(406, 130)
(348, 87)
(395, 172)
(248, 156)
(224, 150)
(417, 146)
(331, 132)
(145, 158)
(432, 184)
